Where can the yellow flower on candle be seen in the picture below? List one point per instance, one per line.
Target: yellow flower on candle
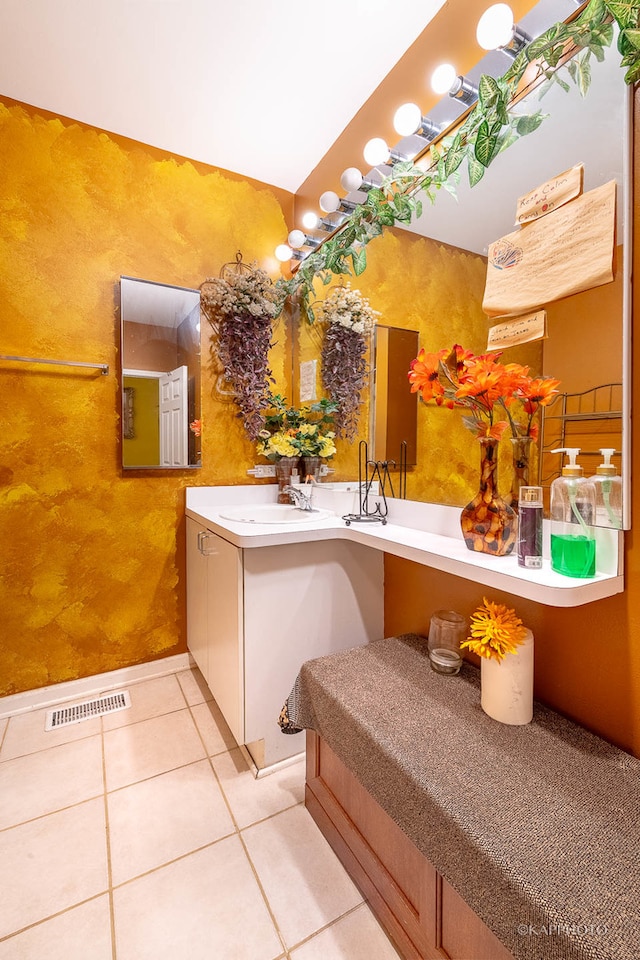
(495, 631)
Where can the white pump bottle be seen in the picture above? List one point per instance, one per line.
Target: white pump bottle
(608, 486)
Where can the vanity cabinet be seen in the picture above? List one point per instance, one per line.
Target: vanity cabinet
(255, 615)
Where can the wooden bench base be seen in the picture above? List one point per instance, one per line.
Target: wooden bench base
(422, 914)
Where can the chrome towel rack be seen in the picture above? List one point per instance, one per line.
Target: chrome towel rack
(102, 367)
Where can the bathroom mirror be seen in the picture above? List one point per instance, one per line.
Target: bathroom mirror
(160, 366)
(588, 334)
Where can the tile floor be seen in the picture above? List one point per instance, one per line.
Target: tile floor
(143, 835)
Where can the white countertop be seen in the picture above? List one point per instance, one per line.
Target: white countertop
(428, 534)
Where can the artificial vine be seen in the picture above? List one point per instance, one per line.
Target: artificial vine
(489, 128)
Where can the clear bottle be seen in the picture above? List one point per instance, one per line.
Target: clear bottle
(608, 493)
(447, 630)
(530, 528)
(573, 510)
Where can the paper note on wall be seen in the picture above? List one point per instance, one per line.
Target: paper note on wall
(308, 380)
(549, 196)
(533, 326)
(569, 250)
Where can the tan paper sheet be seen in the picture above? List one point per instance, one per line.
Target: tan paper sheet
(533, 326)
(569, 250)
(550, 196)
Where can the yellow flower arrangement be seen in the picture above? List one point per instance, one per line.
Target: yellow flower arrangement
(495, 631)
(298, 433)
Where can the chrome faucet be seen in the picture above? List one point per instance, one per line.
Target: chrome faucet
(303, 501)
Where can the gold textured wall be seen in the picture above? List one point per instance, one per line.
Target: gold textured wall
(92, 568)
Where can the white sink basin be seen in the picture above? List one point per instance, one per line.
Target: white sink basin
(272, 513)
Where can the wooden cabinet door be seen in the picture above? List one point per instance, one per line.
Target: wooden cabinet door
(215, 627)
(197, 626)
(225, 629)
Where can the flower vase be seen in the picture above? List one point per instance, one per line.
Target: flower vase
(311, 468)
(507, 685)
(521, 453)
(489, 525)
(286, 473)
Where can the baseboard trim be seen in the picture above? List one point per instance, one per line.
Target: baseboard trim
(89, 686)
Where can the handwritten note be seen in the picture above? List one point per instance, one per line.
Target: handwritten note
(308, 380)
(533, 326)
(550, 195)
(569, 250)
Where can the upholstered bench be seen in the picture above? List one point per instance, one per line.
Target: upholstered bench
(471, 839)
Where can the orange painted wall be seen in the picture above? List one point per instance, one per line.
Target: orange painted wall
(587, 659)
(91, 566)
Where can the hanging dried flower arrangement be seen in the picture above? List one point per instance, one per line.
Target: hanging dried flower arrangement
(349, 321)
(241, 305)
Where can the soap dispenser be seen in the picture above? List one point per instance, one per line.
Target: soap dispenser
(608, 492)
(573, 511)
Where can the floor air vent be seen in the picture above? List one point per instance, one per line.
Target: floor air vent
(110, 703)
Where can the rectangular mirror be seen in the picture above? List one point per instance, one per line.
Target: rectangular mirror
(394, 408)
(160, 366)
(588, 345)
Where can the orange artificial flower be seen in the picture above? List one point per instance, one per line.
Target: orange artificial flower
(481, 384)
(537, 393)
(424, 375)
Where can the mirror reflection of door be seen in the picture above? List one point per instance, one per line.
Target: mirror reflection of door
(173, 418)
(160, 375)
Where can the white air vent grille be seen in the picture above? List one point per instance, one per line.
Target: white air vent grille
(110, 703)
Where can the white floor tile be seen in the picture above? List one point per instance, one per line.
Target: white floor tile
(357, 936)
(145, 749)
(66, 937)
(252, 800)
(3, 727)
(194, 686)
(213, 728)
(306, 885)
(151, 698)
(49, 780)
(55, 862)
(207, 905)
(26, 733)
(158, 820)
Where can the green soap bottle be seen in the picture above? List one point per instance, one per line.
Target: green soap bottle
(573, 511)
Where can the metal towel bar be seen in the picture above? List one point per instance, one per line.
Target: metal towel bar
(102, 367)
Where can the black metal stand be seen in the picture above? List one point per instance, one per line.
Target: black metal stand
(370, 471)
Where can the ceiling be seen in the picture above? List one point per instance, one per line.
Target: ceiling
(256, 87)
(286, 99)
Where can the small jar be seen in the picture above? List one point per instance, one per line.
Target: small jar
(447, 630)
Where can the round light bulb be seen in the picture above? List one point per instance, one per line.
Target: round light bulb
(310, 220)
(407, 119)
(351, 179)
(329, 201)
(376, 151)
(443, 78)
(495, 27)
(283, 252)
(296, 239)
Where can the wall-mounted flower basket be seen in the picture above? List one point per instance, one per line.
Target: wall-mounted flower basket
(241, 305)
(349, 321)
